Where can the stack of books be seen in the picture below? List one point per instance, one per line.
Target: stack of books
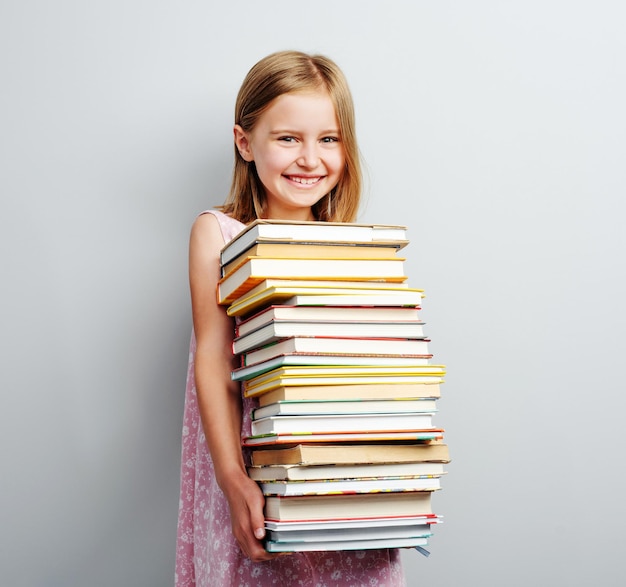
(333, 349)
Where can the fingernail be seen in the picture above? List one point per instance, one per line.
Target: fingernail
(259, 533)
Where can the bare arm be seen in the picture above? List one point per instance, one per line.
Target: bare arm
(219, 398)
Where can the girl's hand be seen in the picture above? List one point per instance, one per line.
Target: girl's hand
(246, 513)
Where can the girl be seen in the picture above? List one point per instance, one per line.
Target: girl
(296, 158)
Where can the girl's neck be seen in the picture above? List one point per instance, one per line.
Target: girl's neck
(297, 214)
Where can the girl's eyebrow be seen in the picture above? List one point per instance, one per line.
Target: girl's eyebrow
(294, 132)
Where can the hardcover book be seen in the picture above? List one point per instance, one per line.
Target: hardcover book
(326, 313)
(314, 232)
(348, 506)
(267, 343)
(337, 471)
(351, 454)
(256, 269)
(345, 406)
(354, 392)
(329, 293)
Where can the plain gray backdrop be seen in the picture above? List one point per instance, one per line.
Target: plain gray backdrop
(494, 130)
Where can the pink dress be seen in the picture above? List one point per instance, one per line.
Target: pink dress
(207, 554)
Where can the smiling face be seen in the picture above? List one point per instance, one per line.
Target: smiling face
(297, 151)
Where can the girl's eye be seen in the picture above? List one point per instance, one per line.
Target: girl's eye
(288, 139)
(330, 140)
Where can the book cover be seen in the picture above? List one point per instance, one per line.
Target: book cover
(355, 392)
(289, 231)
(327, 313)
(363, 533)
(334, 346)
(304, 250)
(339, 375)
(345, 406)
(338, 337)
(351, 454)
(347, 525)
(315, 472)
(333, 423)
(319, 293)
(298, 438)
(343, 486)
(329, 545)
(348, 506)
(368, 529)
(250, 370)
(256, 269)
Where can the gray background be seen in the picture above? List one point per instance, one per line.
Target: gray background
(494, 130)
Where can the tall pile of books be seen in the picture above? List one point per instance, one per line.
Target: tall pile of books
(334, 352)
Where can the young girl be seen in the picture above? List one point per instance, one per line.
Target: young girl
(296, 158)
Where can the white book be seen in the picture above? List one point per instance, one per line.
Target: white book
(357, 351)
(338, 337)
(314, 232)
(345, 406)
(366, 533)
(351, 525)
(324, 472)
(307, 310)
(335, 486)
(329, 423)
(329, 545)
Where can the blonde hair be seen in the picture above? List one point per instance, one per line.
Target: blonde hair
(282, 73)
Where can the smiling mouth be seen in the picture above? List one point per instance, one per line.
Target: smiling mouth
(304, 180)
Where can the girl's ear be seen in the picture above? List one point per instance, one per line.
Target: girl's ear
(242, 142)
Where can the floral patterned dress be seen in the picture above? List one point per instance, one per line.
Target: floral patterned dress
(207, 554)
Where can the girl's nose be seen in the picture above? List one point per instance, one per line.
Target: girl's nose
(309, 157)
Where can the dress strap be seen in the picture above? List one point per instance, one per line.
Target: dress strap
(229, 226)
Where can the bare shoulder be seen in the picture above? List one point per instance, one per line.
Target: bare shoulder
(206, 227)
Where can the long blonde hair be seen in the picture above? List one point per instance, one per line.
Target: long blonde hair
(281, 73)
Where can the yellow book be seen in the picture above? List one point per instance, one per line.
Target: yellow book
(256, 269)
(302, 250)
(325, 293)
(297, 375)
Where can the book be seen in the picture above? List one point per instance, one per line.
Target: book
(304, 250)
(354, 392)
(350, 454)
(348, 346)
(256, 269)
(333, 531)
(312, 379)
(351, 471)
(345, 406)
(364, 330)
(325, 287)
(247, 371)
(349, 506)
(356, 544)
(334, 486)
(341, 375)
(330, 293)
(288, 438)
(289, 231)
(414, 529)
(331, 423)
(294, 528)
(326, 313)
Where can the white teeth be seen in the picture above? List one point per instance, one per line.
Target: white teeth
(305, 180)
